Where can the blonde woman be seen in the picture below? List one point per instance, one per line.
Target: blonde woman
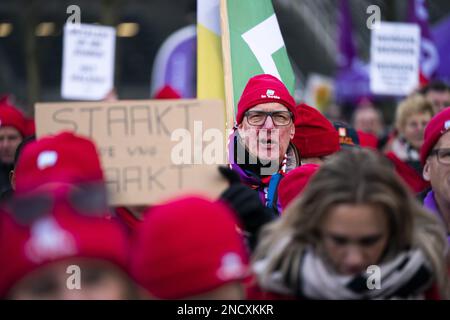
(412, 116)
(354, 221)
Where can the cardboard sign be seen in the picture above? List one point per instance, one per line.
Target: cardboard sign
(150, 149)
(88, 61)
(394, 58)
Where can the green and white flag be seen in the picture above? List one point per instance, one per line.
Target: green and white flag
(252, 44)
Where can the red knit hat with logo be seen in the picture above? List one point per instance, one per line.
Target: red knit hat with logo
(294, 183)
(65, 157)
(437, 126)
(264, 88)
(58, 236)
(188, 247)
(315, 136)
(10, 116)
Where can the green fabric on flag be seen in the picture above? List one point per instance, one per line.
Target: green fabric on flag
(266, 42)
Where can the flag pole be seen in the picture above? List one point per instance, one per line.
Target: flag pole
(227, 70)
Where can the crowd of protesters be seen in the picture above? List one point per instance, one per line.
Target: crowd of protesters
(311, 205)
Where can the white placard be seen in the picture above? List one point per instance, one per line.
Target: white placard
(88, 61)
(394, 63)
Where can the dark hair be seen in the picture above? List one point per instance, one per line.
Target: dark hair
(20, 147)
(435, 86)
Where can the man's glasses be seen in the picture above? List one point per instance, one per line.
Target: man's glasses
(443, 155)
(87, 200)
(279, 118)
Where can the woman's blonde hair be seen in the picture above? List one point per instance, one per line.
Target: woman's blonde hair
(356, 177)
(414, 104)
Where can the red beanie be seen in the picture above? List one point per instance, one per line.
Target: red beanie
(315, 136)
(437, 126)
(58, 236)
(188, 247)
(12, 117)
(167, 92)
(64, 157)
(294, 183)
(264, 88)
(367, 140)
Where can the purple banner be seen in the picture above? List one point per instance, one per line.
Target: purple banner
(429, 58)
(440, 33)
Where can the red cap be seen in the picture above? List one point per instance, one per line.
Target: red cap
(367, 140)
(58, 236)
(10, 116)
(64, 157)
(264, 88)
(188, 247)
(294, 183)
(437, 126)
(315, 136)
(167, 92)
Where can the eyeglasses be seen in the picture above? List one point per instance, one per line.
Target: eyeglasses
(86, 200)
(279, 118)
(443, 155)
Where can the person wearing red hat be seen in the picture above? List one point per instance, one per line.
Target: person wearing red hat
(295, 181)
(412, 116)
(260, 148)
(56, 247)
(435, 158)
(189, 248)
(315, 137)
(13, 129)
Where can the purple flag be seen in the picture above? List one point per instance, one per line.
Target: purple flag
(175, 63)
(429, 58)
(352, 79)
(347, 51)
(441, 37)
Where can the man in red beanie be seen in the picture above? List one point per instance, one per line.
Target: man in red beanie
(435, 157)
(260, 148)
(189, 248)
(13, 129)
(62, 251)
(315, 137)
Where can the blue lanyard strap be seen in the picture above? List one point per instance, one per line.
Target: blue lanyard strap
(272, 190)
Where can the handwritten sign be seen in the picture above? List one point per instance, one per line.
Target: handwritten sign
(394, 62)
(88, 61)
(150, 149)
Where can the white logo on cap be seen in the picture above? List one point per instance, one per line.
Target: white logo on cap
(231, 267)
(46, 159)
(270, 94)
(49, 241)
(447, 125)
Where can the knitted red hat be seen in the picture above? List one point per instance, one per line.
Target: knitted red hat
(64, 157)
(315, 136)
(437, 126)
(264, 88)
(167, 92)
(367, 140)
(188, 247)
(294, 183)
(58, 236)
(10, 116)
